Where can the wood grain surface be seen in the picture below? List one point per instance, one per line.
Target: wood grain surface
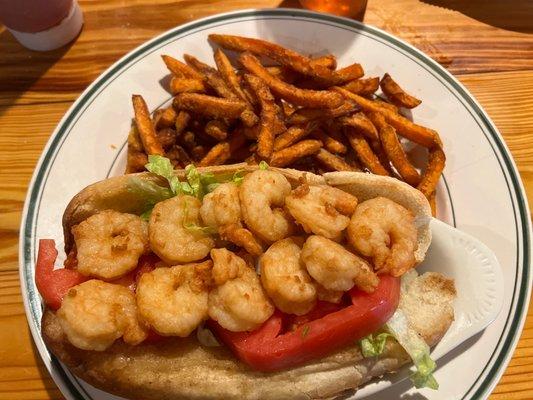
(487, 44)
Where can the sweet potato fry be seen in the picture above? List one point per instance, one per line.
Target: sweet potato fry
(328, 142)
(430, 178)
(387, 105)
(361, 124)
(290, 154)
(292, 135)
(301, 97)
(332, 162)
(189, 141)
(270, 121)
(136, 158)
(145, 126)
(310, 114)
(208, 105)
(236, 141)
(396, 94)
(181, 122)
(179, 156)
(289, 58)
(424, 136)
(287, 108)
(167, 138)
(364, 152)
(180, 69)
(363, 86)
(197, 65)
(228, 75)
(217, 129)
(433, 203)
(242, 237)
(328, 61)
(218, 155)
(165, 119)
(284, 73)
(394, 150)
(187, 85)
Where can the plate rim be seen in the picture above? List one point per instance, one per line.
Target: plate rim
(510, 173)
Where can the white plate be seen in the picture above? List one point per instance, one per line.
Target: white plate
(480, 192)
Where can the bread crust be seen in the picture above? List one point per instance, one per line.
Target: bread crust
(183, 369)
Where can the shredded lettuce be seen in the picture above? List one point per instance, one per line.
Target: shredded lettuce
(238, 177)
(162, 166)
(193, 227)
(263, 165)
(206, 337)
(373, 346)
(416, 347)
(150, 192)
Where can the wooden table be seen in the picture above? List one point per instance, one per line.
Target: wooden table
(487, 44)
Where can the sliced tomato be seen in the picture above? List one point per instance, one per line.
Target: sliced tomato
(52, 284)
(270, 349)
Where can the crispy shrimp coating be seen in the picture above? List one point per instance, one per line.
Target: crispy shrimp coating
(222, 206)
(169, 236)
(285, 278)
(262, 195)
(221, 209)
(384, 231)
(94, 314)
(335, 268)
(238, 302)
(173, 301)
(110, 243)
(322, 210)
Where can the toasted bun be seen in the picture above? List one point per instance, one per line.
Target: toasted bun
(183, 369)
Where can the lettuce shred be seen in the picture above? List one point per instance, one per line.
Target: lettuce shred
(372, 346)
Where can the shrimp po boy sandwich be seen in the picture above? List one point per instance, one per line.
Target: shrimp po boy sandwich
(243, 282)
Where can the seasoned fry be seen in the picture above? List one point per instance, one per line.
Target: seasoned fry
(180, 69)
(198, 66)
(217, 129)
(218, 155)
(433, 203)
(304, 115)
(329, 143)
(179, 155)
(165, 119)
(288, 92)
(167, 137)
(236, 141)
(288, 108)
(423, 136)
(182, 120)
(388, 106)
(270, 119)
(188, 140)
(292, 135)
(363, 87)
(328, 61)
(396, 94)
(394, 150)
(145, 126)
(362, 124)
(349, 73)
(284, 73)
(228, 75)
(186, 85)
(136, 157)
(208, 105)
(430, 178)
(333, 162)
(364, 152)
(290, 154)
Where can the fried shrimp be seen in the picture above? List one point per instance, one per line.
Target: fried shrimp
(285, 278)
(173, 301)
(94, 314)
(322, 210)
(221, 209)
(110, 243)
(169, 236)
(384, 231)
(238, 302)
(221, 206)
(335, 268)
(262, 195)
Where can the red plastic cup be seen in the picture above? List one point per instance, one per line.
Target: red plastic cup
(42, 24)
(344, 8)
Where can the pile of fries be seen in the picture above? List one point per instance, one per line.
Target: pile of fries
(296, 112)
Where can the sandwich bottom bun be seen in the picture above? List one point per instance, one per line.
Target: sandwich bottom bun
(183, 369)
(178, 368)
